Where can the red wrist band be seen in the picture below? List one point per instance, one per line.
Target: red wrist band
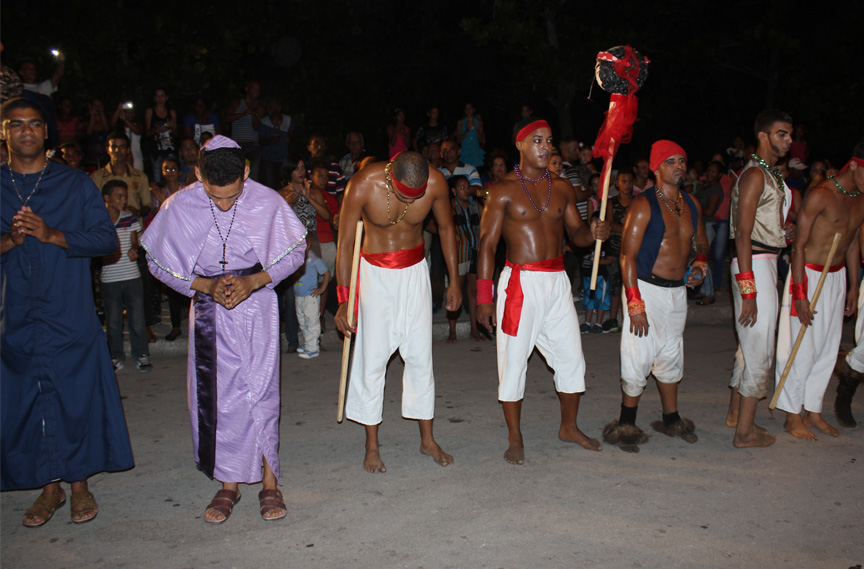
(700, 259)
(746, 284)
(635, 304)
(342, 293)
(633, 294)
(799, 291)
(484, 291)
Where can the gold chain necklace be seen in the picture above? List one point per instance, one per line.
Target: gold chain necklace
(36, 187)
(678, 209)
(389, 181)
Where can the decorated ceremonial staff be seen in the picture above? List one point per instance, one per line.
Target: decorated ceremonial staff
(621, 71)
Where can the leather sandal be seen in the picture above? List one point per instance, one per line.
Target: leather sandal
(223, 502)
(83, 503)
(271, 500)
(44, 508)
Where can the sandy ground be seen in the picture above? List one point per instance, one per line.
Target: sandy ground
(796, 504)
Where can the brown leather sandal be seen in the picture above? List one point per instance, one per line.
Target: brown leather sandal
(83, 503)
(271, 500)
(43, 508)
(223, 502)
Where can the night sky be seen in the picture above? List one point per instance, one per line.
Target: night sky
(340, 66)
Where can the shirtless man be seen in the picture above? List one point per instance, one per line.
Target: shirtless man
(659, 232)
(395, 299)
(760, 202)
(836, 205)
(850, 369)
(530, 209)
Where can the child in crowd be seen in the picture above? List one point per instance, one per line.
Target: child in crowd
(598, 301)
(307, 292)
(466, 218)
(121, 281)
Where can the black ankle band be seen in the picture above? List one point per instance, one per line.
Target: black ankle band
(669, 419)
(628, 415)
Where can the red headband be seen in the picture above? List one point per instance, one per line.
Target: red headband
(661, 150)
(859, 161)
(528, 129)
(406, 191)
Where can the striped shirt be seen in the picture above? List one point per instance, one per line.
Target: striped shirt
(467, 222)
(116, 268)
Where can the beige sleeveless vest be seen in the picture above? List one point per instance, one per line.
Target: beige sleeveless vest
(771, 210)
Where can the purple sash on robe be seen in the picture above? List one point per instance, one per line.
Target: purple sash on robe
(205, 371)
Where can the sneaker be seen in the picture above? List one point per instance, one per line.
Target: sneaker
(143, 364)
(596, 329)
(577, 297)
(585, 328)
(118, 364)
(307, 355)
(611, 325)
(300, 350)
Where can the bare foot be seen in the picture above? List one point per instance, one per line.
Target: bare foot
(574, 435)
(515, 453)
(478, 337)
(795, 427)
(731, 420)
(437, 454)
(372, 462)
(815, 420)
(758, 437)
(451, 339)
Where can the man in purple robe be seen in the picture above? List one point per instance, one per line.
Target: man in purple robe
(227, 241)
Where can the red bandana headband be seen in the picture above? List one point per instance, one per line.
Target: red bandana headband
(531, 127)
(407, 191)
(859, 161)
(661, 150)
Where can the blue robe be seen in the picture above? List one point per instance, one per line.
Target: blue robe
(61, 412)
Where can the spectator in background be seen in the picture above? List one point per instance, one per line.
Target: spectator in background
(556, 163)
(470, 136)
(245, 115)
(307, 293)
(71, 155)
(324, 221)
(317, 148)
(799, 148)
(356, 152)
(642, 177)
(189, 157)
(273, 136)
(160, 122)
(710, 194)
(431, 132)
(119, 169)
(453, 166)
(96, 135)
(29, 76)
(69, 127)
(201, 120)
(466, 219)
(398, 134)
(124, 119)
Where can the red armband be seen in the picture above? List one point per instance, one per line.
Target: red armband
(342, 293)
(701, 259)
(799, 291)
(635, 304)
(484, 291)
(746, 284)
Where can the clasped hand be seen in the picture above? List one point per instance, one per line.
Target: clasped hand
(230, 290)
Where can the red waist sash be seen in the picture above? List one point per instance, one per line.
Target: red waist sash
(401, 259)
(818, 268)
(513, 304)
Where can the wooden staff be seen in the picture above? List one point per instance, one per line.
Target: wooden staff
(803, 329)
(606, 179)
(346, 344)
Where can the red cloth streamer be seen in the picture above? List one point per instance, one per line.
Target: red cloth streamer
(529, 128)
(485, 294)
(515, 298)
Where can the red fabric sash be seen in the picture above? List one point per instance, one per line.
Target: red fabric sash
(818, 268)
(401, 259)
(513, 305)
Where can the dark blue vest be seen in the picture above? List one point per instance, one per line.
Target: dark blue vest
(653, 237)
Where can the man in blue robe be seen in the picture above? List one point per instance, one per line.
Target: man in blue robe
(61, 412)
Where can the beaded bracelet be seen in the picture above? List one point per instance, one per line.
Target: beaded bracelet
(746, 284)
(635, 304)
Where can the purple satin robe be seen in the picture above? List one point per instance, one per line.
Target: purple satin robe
(182, 243)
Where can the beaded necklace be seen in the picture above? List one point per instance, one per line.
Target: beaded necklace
(527, 193)
(224, 240)
(774, 171)
(389, 183)
(36, 187)
(678, 203)
(839, 187)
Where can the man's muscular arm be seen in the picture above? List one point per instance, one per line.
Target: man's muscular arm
(814, 204)
(581, 234)
(750, 189)
(638, 216)
(447, 233)
(490, 233)
(352, 210)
